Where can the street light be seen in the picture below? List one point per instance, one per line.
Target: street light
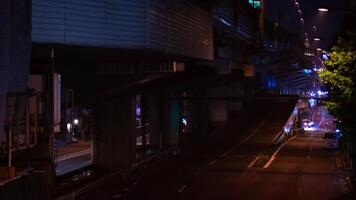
(331, 8)
(318, 49)
(316, 39)
(323, 9)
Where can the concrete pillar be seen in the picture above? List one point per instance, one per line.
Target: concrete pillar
(155, 132)
(15, 50)
(5, 57)
(114, 142)
(235, 90)
(218, 111)
(171, 118)
(219, 108)
(203, 115)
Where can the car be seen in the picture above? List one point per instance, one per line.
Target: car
(331, 140)
(308, 125)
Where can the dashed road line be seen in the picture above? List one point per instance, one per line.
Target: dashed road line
(182, 188)
(269, 162)
(116, 196)
(247, 138)
(254, 161)
(212, 162)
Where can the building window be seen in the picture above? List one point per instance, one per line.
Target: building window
(255, 3)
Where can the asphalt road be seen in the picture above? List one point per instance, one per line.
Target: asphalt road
(302, 169)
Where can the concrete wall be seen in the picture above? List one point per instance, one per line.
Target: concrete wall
(15, 50)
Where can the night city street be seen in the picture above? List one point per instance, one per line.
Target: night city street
(177, 99)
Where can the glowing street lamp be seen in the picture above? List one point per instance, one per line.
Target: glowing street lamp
(318, 49)
(323, 9)
(331, 8)
(316, 39)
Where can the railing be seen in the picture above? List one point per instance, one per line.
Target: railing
(123, 173)
(291, 125)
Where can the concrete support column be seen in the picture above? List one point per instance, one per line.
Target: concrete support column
(235, 90)
(114, 142)
(171, 118)
(203, 115)
(5, 57)
(15, 50)
(155, 133)
(219, 108)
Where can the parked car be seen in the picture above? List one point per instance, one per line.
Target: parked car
(331, 140)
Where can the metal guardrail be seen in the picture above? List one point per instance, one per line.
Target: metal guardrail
(120, 173)
(289, 127)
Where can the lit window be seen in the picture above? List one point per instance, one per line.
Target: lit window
(255, 3)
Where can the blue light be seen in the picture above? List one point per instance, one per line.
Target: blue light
(337, 131)
(272, 83)
(307, 71)
(325, 56)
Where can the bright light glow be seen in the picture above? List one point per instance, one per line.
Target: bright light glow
(309, 128)
(325, 56)
(184, 121)
(76, 121)
(320, 92)
(69, 127)
(307, 71)
(323, 9)
(318, 49)
(316, 39)
(312, 102)
(337, 131)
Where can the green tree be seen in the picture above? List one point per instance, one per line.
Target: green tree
(340, 78)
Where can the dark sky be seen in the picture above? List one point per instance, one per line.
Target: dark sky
(326, 23)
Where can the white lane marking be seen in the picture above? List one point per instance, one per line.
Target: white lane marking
(73, 155)
(273, 156)
(197, 173)
(116, 196)
(254, 161)
(299, 192)
(87, 162)
(310, 149)
(247, 138)
(212, 162)
(182, 188)
(134, 183)
(125, 189)
(276, 152)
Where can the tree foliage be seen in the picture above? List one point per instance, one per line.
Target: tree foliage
(340, 78)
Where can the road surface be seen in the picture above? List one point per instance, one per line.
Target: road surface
(302, 169)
